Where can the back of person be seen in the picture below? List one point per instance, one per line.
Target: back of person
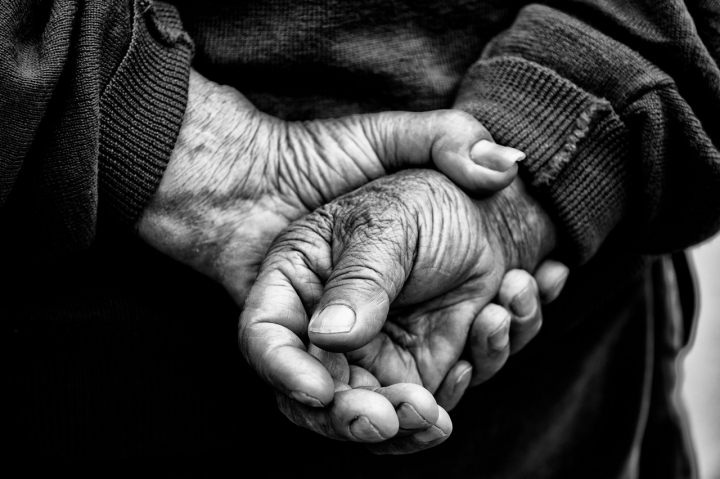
(120, 351)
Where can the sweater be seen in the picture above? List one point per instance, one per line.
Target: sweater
(613, 103)
(93, 96)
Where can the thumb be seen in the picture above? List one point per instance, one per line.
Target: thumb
(370, 270)
(458, 145)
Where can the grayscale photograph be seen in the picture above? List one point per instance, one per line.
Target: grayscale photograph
(362, 239)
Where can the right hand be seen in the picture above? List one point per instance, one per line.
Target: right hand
(412, 249)
(237, 176)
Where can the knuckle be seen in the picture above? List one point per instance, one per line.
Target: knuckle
(455, 117)
(494, 313)
(514, 282)
(458, 120)
(528, 325)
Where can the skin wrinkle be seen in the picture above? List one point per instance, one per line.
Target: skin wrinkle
(417, 332)
(360, 259)
(435, 305)
(405, 356)
(403, 333)
(268, 168)
(290, 175)
(310, 139)
(389, 219)
(368, 148)
(304, 280)
(424, 422)
(413, 337)
(437, 238)
(312, 151)
(374, 429)
(417, 346)
(387, 142)
(371, 226)
(382, 218)
(209, 195)
(299, 419)
(311, 300)
(259, 359)
(332, 142)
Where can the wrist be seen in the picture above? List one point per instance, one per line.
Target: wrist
(525, 232)
(217, 120)
(211, 209)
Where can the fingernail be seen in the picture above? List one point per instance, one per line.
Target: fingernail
(335, 318)
(559, 284)
(494, 156)
(362, 429)
(409, 417)
(305, 399)
(501, 337)
(524, 303)
(464, 377)
(433, 433)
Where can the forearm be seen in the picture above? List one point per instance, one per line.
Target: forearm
(211, 211)
(216, 123)
(611, 138)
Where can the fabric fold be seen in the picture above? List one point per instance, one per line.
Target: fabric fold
(574, 141)
(142, 110)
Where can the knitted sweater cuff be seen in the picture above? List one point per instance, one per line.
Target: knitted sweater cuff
(142, 110)
(574, 141)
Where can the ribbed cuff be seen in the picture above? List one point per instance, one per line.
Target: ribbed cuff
(575, 145)
(142, 110)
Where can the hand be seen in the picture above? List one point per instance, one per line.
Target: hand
(413, 241)
(237, 176)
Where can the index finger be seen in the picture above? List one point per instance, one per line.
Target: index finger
(269, 336)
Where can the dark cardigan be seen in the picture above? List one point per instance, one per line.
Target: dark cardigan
(120, 351)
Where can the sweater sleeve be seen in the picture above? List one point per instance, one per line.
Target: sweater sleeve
(615, 105)
(92, 96)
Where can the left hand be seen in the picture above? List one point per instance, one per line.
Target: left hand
(412, 240)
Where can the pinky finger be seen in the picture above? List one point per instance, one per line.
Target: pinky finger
(433, 436)
(551, 277)
(454, 385)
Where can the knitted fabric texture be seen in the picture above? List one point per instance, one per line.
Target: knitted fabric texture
(614, 102)
(92, 98)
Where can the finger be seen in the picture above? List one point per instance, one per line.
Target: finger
(356, 415)
(458, 144)
(551, 277)
(415, 406)
(474, 178)
(273, 322)
(279, 357)
(360, 377)
(496, 157)
(370, 270)
(519, 294)
(388, 363)
(454, 385)
(433, 436)
(489, 342)
(335, 363)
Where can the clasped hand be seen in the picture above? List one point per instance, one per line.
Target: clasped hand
(397, 275)
(411, 245)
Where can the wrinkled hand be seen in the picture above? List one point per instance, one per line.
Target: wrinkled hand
(411, 249)
(237, 176)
